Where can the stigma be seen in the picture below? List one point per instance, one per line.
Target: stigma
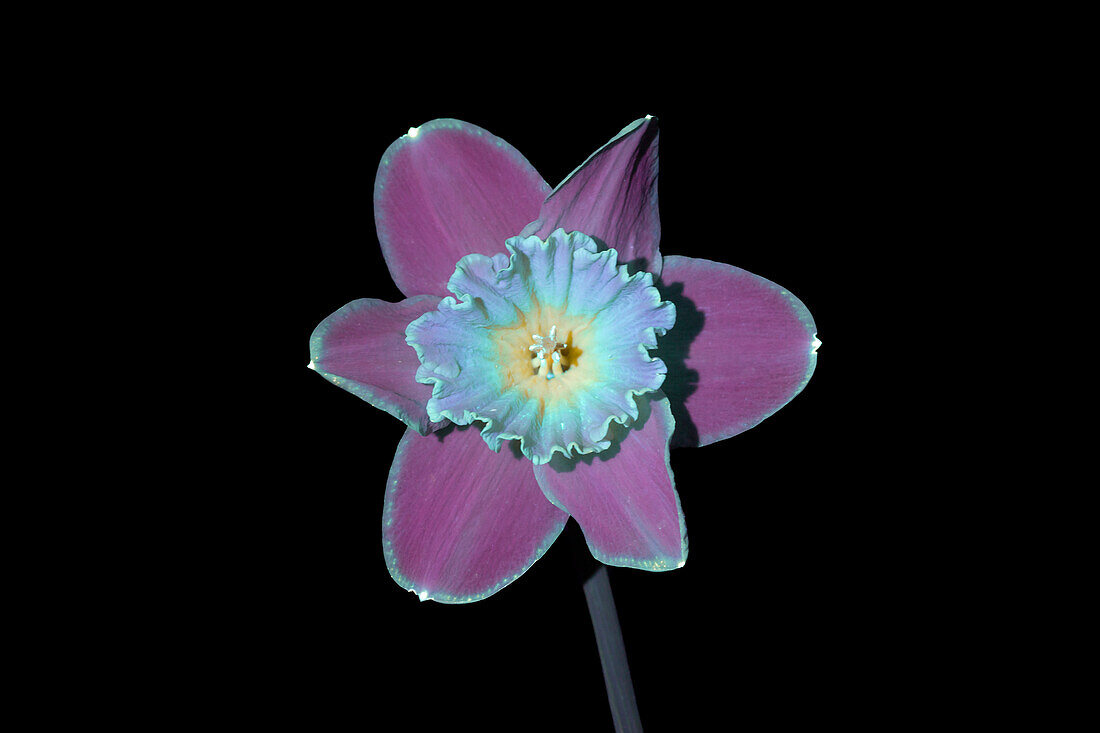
(548, 357)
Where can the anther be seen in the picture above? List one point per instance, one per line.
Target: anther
(547, 345)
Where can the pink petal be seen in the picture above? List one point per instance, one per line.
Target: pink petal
(362, 348)
(612, 197)
(742, 348)
(451, 190)
(460, 521)
(625, 498)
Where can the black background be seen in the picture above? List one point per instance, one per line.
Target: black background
(240, 577)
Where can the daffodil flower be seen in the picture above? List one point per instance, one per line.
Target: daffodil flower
(546, 358)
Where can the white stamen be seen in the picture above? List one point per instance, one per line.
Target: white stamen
(543, 346)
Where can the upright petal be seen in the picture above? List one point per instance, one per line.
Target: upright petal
(742, 348)
(445, 190)
(460, 522)
(362, 348)
(625, 498)
(612, 197)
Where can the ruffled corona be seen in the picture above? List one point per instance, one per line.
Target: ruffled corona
(547, 345)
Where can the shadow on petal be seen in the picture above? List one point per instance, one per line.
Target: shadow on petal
(616, 433)
(442, 433)
(674, 348)
(633, 267)
(627, 507)
(513, 445)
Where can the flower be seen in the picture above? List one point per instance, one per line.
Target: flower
(532, 392)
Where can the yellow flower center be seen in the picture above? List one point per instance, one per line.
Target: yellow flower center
(544, 353)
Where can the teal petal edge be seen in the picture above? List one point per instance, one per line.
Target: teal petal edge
(403, 581)
(382, 179)
(658, 403)
(806, 319)
(378, 398)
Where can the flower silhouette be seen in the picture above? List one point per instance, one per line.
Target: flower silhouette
(547, 358)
